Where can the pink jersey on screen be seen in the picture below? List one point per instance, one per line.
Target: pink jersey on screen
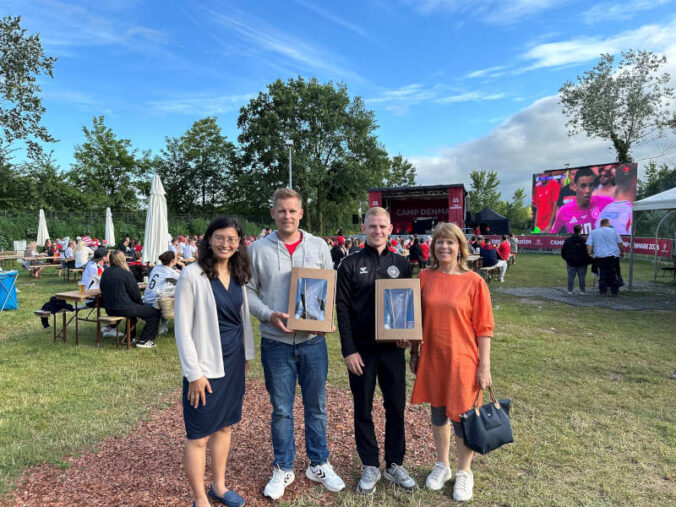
(571, 214)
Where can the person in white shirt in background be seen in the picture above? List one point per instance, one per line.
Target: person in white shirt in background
(68, 256)
(162, 277)
(91, 277)
(190, 250)
(182, 243)
(82, 254)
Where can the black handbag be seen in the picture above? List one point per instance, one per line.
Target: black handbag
(487, 427)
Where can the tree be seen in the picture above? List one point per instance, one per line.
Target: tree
(516, 210)
(484, 190)
(627, 105)
(657, 179)
(401, 173)
(198, 168)
(22, 61)
(336, 154)
(47, 187)
(106, 169)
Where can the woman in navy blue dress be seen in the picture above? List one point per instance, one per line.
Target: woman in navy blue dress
(215, 341)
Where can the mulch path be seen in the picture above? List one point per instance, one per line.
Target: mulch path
(145, 468)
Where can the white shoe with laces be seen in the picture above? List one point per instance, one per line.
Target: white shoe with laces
(438, 477)
(274, 489)
(326, 475)
(464, 485)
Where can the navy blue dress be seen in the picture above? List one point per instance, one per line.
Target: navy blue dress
(224, 404)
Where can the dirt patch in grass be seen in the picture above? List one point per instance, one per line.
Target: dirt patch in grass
(146, 467)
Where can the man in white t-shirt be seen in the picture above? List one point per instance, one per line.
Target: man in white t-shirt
(190, 250)
(605, 245)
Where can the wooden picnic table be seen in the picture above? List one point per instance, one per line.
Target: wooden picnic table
(76, 297)
(474, 262)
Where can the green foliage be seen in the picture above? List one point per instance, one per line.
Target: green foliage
(107, 170)
(336, 154)
(198, 169)
(401, 173)
(22, 62)
(658, 178)
(627, 104)
(484, 190)
(516, 210)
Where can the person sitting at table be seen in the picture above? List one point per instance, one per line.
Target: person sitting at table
(34, 266)
(162, 276)
(175, 248)
(137, 267)
(82, 254)
(68, 257)
(190, 251)
(91, 276)
(121, 297)
(489, 255)
(504, 249)
(124, 246)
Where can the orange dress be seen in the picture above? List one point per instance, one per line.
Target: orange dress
(456, 311)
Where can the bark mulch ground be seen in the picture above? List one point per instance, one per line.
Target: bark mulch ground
(145, 468)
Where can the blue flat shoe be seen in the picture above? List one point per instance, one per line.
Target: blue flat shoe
(231, 499)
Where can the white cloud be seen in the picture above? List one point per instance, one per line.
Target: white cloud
(499, 12)
(604, 12)
(533, 140)
(488, 72)
(473, 96)
(334, 18)
(583, 49)
(399, 100)
(201, 104)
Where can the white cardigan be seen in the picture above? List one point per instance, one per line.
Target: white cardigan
(198, 337)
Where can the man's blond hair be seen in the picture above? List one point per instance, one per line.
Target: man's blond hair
(285, 193)
(376, 211)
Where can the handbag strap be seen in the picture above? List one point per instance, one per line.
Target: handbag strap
(478, 399)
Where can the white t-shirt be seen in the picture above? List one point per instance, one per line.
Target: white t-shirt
(91, 277)
(67, 254)
(160, 276)
(83, 256)
(189, 252)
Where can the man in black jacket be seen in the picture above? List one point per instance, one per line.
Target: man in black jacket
(574, 252)
(368, 360)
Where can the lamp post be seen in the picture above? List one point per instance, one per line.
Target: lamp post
(289, 143)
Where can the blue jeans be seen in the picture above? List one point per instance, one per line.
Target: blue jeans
(283, 364)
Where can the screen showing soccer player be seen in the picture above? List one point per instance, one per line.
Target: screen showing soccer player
(584, 196)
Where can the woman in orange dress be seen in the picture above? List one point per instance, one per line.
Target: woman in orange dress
(453, 361)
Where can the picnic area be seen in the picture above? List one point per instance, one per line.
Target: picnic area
(592, 412)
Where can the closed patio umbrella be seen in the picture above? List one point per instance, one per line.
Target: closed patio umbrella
(157, 223)
(43, 233)
(110, 229)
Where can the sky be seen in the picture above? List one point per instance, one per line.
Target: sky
(455, 85)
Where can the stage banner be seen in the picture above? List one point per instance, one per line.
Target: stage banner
(642, 246)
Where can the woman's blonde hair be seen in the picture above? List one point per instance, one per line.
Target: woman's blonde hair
(117, 258)
(449, 231)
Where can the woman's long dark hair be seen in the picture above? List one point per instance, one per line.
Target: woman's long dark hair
(239, 263)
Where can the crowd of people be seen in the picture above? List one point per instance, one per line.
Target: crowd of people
(216, 295)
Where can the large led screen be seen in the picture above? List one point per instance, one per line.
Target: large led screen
(584, 196)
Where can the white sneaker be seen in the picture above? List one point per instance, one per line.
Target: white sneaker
(145, 345)
(398, 475)
(502, 279)
(278, 483)
(369, 477)
(325, 474)
(464, 484)
(438, 477)
(570, 292)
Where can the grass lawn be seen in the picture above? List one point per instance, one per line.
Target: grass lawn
(593, 414)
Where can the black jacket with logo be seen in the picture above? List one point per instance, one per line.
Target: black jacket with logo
(574, 251)
(356, 296)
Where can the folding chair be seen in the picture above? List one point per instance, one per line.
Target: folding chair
(8, 300)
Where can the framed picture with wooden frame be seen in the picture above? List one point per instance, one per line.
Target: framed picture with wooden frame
(312, 294)
(398, 309)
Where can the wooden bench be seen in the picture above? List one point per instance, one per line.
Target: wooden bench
(75, 271)
(487, 272)
(44, 314)
(108, 320)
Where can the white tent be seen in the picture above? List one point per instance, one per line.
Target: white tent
(663, 201)
(157, 223)
(43, 233)
(110, 229)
